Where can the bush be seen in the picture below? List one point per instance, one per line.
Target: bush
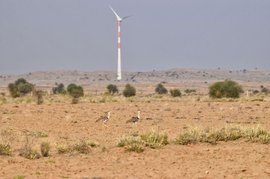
(28, 152)
(62, 149)
(112, 89)
(83, 147)
(129, 91)
(25, 88)
(188, 91)
(137, 143)
(5, 149)
(45, 149)
(132, 143)
(226, 134)
(70, 87)
(265, 90)
(227, 89)
(154, 139)
(20, 87)
(39, 96)
(160, 89)
(59, 89)
(175, 93)
(13, 90)
(76, 92)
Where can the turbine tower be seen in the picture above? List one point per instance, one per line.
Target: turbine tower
(119, 20)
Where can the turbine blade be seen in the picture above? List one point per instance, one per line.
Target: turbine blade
(116, 15)
(126, 17)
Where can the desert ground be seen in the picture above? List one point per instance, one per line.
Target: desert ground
(58, 122)
(61, 124)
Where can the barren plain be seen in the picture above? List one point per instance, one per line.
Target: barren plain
(58, 122)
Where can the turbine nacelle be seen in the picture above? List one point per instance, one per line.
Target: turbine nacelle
(119, 19)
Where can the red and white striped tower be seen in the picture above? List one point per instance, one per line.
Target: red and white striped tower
(119, 73)
(119, 20)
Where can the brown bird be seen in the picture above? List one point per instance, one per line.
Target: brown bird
(104, 118)
(135, 119)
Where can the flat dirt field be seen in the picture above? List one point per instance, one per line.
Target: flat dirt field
(61, 123)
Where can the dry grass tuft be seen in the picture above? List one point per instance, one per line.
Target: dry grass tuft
(27, 151)
(132, 143)
(6, 139)
(152, 139)
(62, 149)
(83, 147)
(213, 136)
(5, 149)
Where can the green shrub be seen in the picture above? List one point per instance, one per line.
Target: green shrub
(188, 91)
(227, 89)
(20, 87)
(59, 89)
(112, 89)
(70, 87)
(160, 89)
(76, 92)
(129, 91)
(175, 93)
(25, 88)
(264, 90)
(13, 90)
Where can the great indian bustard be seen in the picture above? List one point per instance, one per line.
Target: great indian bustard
(135, 119)
(104, 118)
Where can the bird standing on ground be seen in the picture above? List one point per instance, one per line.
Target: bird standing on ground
(135, 119)
(104, 118)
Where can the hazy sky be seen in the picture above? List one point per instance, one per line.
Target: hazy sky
(161, 34)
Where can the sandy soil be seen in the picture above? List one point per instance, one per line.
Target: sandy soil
(68, 124)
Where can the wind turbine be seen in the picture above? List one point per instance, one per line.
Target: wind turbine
(119, 20)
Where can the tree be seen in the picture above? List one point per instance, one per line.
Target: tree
(59, 89)
(25, 88)
(160, 89)
(175, 93)
(227, 89)
(20, 81)
(264, 90)
(70, 87)
(129, 91)
(20, 87)
(112, 89)
(13, 90)
(76, 92)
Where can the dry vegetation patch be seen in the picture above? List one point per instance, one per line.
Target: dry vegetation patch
(6, 139)
(83, 147)
(212, 136)
(137, 143)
